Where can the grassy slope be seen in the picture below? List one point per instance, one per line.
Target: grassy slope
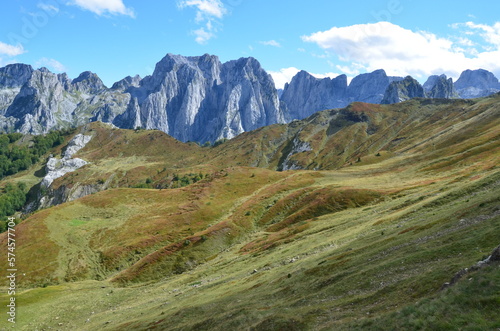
(332, 249)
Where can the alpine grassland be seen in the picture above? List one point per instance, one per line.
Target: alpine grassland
(353, 218)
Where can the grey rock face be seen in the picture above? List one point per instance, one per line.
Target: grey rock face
(88, 82)
(297, 146)
(190, 98)
(46, 101)
(12, 78)
(15, 75)
(201, 99)
(431, 82)
(440, 87)
(126, 83)
(369, 87)
(59, 167)
(476, 83)
(56, 168)
(307, 94)
(403, 90)
(248, 103)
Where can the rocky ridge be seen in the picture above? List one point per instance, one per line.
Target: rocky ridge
(476, 84)
(403, 90)
(190, 98)
(58, 167)
(201, 99)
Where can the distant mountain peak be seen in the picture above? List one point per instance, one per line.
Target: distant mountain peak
(403, 90)
(199, 98)
(477, 83)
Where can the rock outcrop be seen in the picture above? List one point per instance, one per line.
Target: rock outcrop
(368, 87)
(307, 94)
(201, 99)
(476, 83)
(493, 258)
(403, 90)
(191, 98)
(296, 146)
(440, 87)
(56, 167)
(47, 101)
(127, 83)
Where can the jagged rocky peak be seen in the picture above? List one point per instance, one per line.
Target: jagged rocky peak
(395, 79)
(35, 105)
(431, 82)
(172, 62)
(403, 90)
(251, 70)
(65, 81)
(306, 94)
(249, 67)
(15, 75)
(209, 64)
(369, 87)
(88, 82)
(126, 83)
(247, 97)
(200, 99)
(476, 83)
(179, 66)
(440, 87)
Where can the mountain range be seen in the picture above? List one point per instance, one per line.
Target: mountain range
(201, 99)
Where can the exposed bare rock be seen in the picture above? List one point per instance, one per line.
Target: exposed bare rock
(59, 167)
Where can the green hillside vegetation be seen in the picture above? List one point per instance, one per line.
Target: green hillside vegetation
(17, 156)
(391, 202)
(12, 199)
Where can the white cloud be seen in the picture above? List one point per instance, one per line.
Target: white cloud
(103, 7)
(401, 51)
(55, 65)
(465, 42)
(285, 75)
(10, 50)
(273, 43)
(208, 13)
(48, 7)
(491, 34)
(206, 8)
(203, 36)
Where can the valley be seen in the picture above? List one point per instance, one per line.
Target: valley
(352, 218)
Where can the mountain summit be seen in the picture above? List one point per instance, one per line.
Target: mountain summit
(198, 98)
(190, 98)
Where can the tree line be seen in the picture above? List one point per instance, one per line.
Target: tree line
(18, 157)
(15, 158)
(12, 199)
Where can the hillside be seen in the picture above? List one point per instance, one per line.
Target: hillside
(379, 207)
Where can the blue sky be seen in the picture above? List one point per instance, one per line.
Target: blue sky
(116, 38)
